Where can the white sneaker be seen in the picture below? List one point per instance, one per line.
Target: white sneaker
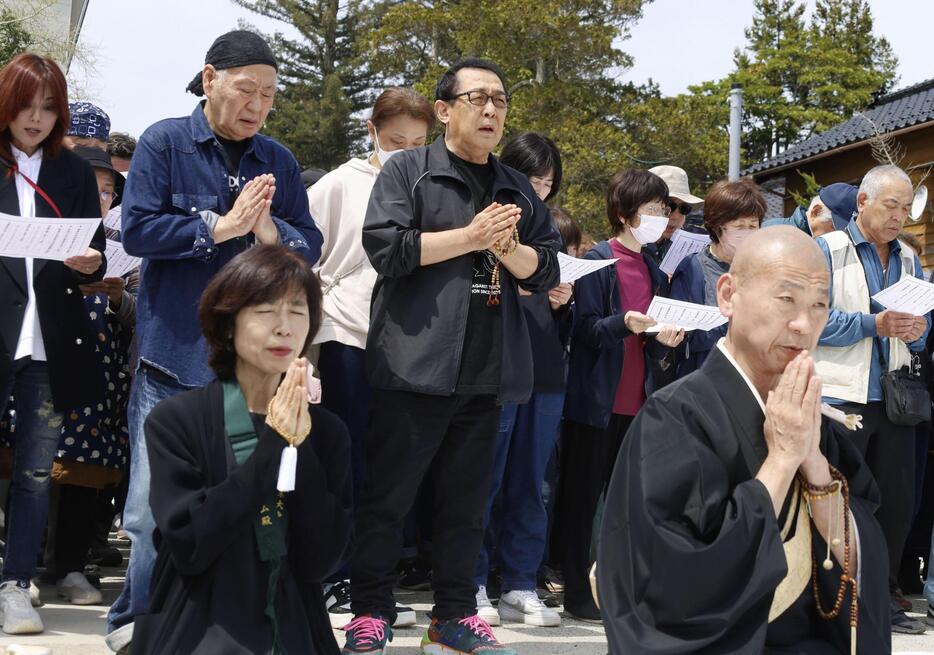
(405, 616)
(76, 588)
(16, 611)
(526, 607)
(34, 594)
(485, 608)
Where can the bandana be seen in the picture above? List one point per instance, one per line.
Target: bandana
(88, 121)
(232, 50)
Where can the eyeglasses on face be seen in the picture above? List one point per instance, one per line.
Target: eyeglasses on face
(108, 196)
(480, 98)
(682, 207)
(655, 209)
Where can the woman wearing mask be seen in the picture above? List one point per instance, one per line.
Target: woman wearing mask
(527, 432)
(401, 119)
(608, 375)
(47, 358)
(732, 211)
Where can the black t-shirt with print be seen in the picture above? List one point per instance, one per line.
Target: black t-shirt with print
(233, 153)
(483, 338)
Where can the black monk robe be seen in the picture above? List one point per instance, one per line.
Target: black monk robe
(690, 551)
(209, 585)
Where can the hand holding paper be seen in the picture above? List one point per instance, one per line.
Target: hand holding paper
(684, 315)
(46, 238)
(683, 244)
(909, 295)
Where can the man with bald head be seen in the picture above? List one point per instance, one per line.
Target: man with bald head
(862, 341)
(726, 491)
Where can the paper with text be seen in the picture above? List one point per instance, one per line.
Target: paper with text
(45, 238)
(686, 315)
(573, 269)
(683, 244)
(909, 295)
(118, 262)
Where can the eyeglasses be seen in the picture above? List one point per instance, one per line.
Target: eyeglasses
(108, 196)
(682, 207)
(480, 98)
(656, 210)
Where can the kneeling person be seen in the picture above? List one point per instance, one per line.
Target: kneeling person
(730, 484)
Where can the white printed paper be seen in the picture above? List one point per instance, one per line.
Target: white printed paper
(45, 238)
(909, 295)
(685, 315)
(118, 262)
(114, 219)
(683, 244)
(573, 269)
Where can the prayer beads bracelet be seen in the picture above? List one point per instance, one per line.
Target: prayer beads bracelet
(272, 422)
(510, 247)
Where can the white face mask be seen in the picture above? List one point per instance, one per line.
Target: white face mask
(383, 155)
(650, 228)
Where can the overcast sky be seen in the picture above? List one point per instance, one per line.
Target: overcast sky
(147, 51)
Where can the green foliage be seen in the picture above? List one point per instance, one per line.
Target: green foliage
(14, 38)
(811, 188)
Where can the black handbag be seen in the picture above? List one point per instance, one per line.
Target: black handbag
(907, 401)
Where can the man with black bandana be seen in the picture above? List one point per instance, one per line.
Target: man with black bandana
(203, 188)
(453, 235)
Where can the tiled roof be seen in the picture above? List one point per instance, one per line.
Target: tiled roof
(907, 107)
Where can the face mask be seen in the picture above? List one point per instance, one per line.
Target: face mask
(730, 240)
(382, 155)
(650, 228)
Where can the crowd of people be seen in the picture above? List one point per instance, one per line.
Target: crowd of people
(304, 397)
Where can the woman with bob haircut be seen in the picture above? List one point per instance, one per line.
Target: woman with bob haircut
(240, 557)
(611, 369)
(47, 358)
(732, 212)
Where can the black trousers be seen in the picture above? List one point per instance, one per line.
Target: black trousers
(588, 455)
(889, 451)
(410, 436)
(75, 516)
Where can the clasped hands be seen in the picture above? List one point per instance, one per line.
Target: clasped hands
(287, 412)
(493, 226)
(250, 213)
(793, 419)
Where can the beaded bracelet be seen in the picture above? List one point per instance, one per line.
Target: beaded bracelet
(275, 425)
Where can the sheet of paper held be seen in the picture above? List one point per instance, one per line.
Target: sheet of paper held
(118, 262)
(683, 244)
(573, 268)
(687, 315)
(45, 238)
(909, 295)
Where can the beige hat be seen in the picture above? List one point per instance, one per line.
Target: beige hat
(677, 181)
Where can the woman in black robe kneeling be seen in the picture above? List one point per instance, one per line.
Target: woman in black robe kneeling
(240, 555)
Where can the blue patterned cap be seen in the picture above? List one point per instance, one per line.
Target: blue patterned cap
(88, 121)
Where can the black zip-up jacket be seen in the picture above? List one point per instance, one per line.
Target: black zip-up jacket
(419, 313)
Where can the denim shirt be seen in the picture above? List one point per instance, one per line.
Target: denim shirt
(175, 191)
(847, 328)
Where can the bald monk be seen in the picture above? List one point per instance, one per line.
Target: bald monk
(707, 545)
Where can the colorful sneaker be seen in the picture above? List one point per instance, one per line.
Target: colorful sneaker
(367, 634)
(470, 636)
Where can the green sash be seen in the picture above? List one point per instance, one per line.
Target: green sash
(272, 521)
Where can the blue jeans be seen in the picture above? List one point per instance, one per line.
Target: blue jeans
(37, 430)
(148, 389)
(525, 442)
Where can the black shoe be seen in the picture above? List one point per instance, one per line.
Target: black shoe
(108, 556)
(904, 624)
(583, 611)
(548, 599)
(337, 602)
(414, 576)
(929, 618)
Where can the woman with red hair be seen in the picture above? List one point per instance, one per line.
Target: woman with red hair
(47, 358)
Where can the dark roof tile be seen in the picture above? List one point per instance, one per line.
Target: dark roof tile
(906, 107)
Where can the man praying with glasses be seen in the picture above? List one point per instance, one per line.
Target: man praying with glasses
(453, 235)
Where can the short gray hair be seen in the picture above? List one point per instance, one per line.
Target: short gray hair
(872, 181)
(824, 214)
